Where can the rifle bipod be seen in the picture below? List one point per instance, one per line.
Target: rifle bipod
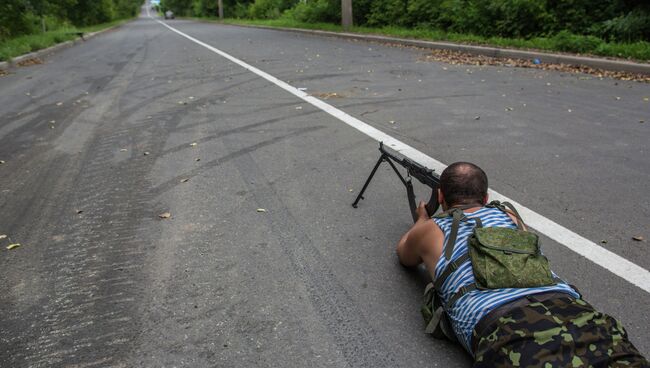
(424, 175)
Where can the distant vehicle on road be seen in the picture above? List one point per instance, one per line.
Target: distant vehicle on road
(169, 14)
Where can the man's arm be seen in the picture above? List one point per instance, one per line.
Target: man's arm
(422, 243)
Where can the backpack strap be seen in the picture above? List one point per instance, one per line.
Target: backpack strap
(451, 267)
(439, 324)
(507, 207)
(458, 215)
(462, 291)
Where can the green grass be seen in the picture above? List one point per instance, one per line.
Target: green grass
(25, 44)
(560, 43)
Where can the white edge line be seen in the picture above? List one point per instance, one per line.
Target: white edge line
(616, 264)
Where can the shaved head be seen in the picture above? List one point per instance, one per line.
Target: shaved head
(463, 183)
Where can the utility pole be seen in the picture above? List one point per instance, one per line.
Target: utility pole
(220, 6)
(346, 14)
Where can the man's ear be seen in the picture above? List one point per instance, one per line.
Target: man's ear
(441, 199)
(486, 199)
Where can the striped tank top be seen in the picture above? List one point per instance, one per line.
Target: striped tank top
(474, 305)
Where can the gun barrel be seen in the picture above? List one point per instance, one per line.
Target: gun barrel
(423, 174)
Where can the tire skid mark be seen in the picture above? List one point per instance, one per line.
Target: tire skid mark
(359, 343)
(73, 310)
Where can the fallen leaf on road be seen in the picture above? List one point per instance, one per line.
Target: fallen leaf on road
(350, 190)
(392, 121)
(2, 162)
(3, 236)
(12, 246)
(52, 121)
(27, 94)
(185, 180)
(509, 108)
(59, 103)
(299, 108)
(617, 98)
(146, 153)
(637, 238)
(454, 57)
(3, 73)
(604, 241)
(640, 122)
(80, 212)
(123, 150)
(327, 95)
(569, 110)
(646, 99)
(261, 210)
(193, 144)
(30, 61)
(165, 215)
(477, 118)
(197, 160)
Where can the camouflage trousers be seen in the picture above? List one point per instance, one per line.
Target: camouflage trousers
(559, 332)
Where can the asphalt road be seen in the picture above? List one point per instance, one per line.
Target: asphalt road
(101, 280)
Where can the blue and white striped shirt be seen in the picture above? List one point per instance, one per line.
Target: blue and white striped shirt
(474, 305)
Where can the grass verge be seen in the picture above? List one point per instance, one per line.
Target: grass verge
(562, 42)
(30, 43)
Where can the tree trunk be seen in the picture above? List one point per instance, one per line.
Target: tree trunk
(346, 14)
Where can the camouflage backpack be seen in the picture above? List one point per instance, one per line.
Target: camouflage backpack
(500, 257)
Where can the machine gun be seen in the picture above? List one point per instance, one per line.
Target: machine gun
(423, 174)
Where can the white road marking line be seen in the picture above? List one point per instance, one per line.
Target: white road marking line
(616, 264)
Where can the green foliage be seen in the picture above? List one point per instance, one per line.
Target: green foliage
(264, 9)
(15, 18)
(269, 9)
(27, 43)
(612, 19)
(423, 13)
(635, 25)
(203, 7)
(519, 18)
(360, 10)
(179, 7)
(237, 10)
(24, 17)
(315, 11)
(638, 50)
(566, 41)
(619, 20)
(24, 44)
(388, 12)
